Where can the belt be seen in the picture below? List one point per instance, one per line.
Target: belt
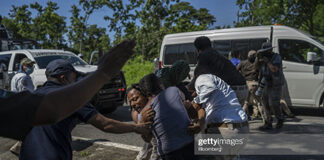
(228, 125)
(239, 87)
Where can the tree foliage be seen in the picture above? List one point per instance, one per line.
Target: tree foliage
(146, 21)
(47, 27)
(306, 15)
(156, 18)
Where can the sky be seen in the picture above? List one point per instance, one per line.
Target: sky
(223, 10)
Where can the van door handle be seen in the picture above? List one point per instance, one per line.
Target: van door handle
(284, 67)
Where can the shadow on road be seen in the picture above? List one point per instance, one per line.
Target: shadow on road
(319, 112)
(79, 145)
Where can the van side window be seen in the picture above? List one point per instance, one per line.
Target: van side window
(242, 46)
(296, 50)
(224, 47)
(173, 53)
(17, 60)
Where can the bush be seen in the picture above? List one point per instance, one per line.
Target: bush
(137, 68)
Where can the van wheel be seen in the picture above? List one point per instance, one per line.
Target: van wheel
(322, 101)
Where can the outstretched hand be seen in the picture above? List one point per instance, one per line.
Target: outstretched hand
(112, 62)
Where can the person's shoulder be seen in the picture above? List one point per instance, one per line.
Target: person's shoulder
(172, 88)
(277, 58)
(202, 78)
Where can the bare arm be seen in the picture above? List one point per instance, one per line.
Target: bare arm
(197, 127)
(109, 125)
(62, 102)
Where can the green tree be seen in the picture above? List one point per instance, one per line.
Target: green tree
(19, 22)
(306, 15)
(79, 25)
(157, 18)
(48, 27)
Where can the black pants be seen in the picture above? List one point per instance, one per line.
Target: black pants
(184, 153)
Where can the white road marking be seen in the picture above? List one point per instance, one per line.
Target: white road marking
(110, 144)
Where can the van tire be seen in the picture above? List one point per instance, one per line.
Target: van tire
(321, 103)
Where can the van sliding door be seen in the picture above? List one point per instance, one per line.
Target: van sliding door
(304, 79)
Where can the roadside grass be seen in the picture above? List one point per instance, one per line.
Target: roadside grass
(137, 68)
(84, 153)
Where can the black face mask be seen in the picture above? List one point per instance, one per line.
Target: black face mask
(251, 59)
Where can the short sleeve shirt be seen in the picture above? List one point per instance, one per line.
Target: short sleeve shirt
(171, 121)
(21, 82)
(54, 141)
(218, 100)
(248, 70)
(17, 113)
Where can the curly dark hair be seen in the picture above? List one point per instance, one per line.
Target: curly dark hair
(150, 85)
(134, 86)
(202, 43)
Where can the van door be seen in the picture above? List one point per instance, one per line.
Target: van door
(304, 80)
(4, 64)
(14, 67)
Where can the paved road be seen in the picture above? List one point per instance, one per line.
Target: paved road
(308, 123)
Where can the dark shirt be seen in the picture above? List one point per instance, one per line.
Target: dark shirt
(221, 67)
(248, 70)
(53, 141)
(17, 112)
(171, 121)
(276, 78)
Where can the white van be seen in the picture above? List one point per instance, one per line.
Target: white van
(109, 97)
(302, 54)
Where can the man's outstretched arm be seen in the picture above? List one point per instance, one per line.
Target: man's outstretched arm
(113, 126)
(62, 102)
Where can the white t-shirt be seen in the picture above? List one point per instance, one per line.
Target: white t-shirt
(21, 82)
(218, 100)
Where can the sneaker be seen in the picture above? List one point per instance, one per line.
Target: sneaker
(265, 127)
(279, 123)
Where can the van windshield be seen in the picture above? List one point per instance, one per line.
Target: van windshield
(44, 60)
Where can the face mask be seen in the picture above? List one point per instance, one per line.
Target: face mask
(29, 70)
(252, 59)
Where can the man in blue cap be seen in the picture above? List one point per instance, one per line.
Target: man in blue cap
(25, 110)
(54, 141)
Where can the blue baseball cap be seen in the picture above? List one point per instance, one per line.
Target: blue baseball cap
(59, 67)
